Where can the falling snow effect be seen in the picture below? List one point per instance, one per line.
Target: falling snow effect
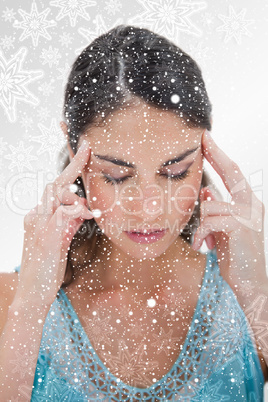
(76, 354)
(119, 319)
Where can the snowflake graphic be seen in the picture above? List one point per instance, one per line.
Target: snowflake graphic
(237, 377)
(173, 304)
(2, 195)
(58, 390)
(65, 39)
(2, 178)
(3, 146)
(131, 366)
(7, 42)
(226, 335)
(23, 363)
(207, 19)
(26, 391)
(73, 9)
(164, 341)
(26, 186)
(43, 113)
(246, 288)
(13, 81)
(64, 73)
(51, 140)
(47, 88)
(8, 14)
(209, 393)
(169, 17)
(113, 6)
(26, 122)
(257, 325)
(50, 56)
(25, 136)
(20, 157)
(199, 52)
(234, 25)
(101, 28)
(13, 399)
(125, 311)
(98, 330)
(34, 24)
(136, 328)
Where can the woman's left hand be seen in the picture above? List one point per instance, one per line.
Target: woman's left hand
(235, 228)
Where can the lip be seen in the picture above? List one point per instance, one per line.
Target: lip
(146, 238)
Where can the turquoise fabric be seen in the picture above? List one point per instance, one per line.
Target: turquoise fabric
(218, 362)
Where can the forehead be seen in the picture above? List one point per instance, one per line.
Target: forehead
(145, 128)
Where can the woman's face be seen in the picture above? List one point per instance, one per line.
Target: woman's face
(130, 181)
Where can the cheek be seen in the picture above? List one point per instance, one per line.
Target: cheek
(101, 195)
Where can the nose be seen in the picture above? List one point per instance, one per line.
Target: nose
(145, 200)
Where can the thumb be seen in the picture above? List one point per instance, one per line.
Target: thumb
(205, 195)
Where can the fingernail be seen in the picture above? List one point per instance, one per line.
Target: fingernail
(89, 214)
(208, 135)
(84, 145)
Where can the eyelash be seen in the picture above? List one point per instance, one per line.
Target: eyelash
(177, 177)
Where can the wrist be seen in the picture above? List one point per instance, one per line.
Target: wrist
(28, 306)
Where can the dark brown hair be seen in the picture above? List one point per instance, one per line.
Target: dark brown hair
(125, 63)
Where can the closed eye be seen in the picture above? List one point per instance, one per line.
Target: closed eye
(113, 181)
(179, 176)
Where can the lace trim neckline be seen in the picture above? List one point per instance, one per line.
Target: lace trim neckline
(83, 334)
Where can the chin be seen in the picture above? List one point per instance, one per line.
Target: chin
(143, 254)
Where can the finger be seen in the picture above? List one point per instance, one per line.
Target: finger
(211, 241)
(225, 224)
(230, 173)
(64, 218)
(53, 197)
(210, 208)
(67, 195)
(75, 167)
(207, 195)
(249, 216)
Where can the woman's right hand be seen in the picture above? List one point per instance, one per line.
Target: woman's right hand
(48, 234)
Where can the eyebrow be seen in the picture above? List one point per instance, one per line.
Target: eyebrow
(121, 162)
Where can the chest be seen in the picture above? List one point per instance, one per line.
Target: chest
(137, 339)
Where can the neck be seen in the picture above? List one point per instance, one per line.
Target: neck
(120, 271)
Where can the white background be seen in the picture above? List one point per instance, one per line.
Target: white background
(232, 52)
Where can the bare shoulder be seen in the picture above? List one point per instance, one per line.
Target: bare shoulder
(8, 287)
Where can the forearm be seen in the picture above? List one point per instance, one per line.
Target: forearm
(19, 348)
(255, 306)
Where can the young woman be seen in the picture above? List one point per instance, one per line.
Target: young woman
(113, 300)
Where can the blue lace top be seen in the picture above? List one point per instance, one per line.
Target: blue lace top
(218, 361)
